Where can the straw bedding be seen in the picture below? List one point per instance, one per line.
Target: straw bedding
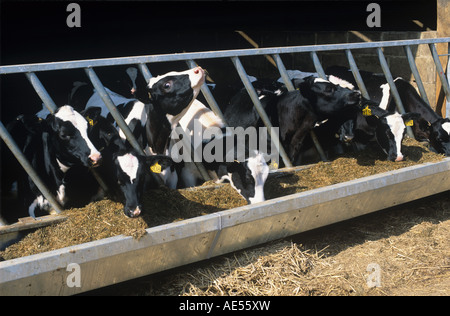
(105, 218)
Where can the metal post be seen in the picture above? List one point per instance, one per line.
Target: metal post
(287, 81)
(208, 95)
(356, 74)
(112, 109)
(440, 70)
(253, 95)
(9, 141)
(43, 94)
(394, 91)
(318, 66)
(413, 66)
(145, 72)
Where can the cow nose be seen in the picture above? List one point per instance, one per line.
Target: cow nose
(95, 158)
(399, 158)
(197, 70)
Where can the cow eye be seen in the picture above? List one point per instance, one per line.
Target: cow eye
(167, 85)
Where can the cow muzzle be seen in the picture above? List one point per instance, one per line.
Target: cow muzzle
(132, 213)
(95, 159)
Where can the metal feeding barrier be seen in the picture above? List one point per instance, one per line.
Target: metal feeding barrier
(176, 244)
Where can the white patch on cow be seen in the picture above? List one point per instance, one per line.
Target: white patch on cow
(139, 113)
(41, 202)
(397, 126)
(62, 167)
(196, 79)
(341, 82)
(61, 194)
(297, 74)
(96, 100)
(386, 90)
(260, 171)
(320, 80)
(67, 113)
(132, 73)
(446, 127)
(129, 165)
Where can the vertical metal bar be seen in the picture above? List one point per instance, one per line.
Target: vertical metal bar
(287, 81)
(318, 65)
(145, 72)
(253, 95)
(43, 94)
(356, 74)
(284, 75)
(9, 141)
(415, 71)
(394, 91)
(112, 109)
(440, 70)
(208, 95)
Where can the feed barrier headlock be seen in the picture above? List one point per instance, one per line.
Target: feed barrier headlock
(141, 61)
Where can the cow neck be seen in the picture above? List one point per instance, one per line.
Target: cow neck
(174, 119)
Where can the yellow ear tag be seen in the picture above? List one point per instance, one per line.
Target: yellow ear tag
(366, 111)
(156, 168)
(273, 165)
(90, 121)
(409, 123)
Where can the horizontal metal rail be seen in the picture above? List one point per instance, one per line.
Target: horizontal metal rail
(208, 55)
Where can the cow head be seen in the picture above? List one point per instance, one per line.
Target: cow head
(131, 170)
(70, 138)
(389, 129)
(326, 97)
(248, 177)
(440, 136)
(175, 91)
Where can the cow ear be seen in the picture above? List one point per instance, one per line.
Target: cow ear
(410, 118)
(92, 114)
(52, 122)
(158, 163)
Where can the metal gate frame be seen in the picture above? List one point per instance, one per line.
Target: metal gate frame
(141, 61)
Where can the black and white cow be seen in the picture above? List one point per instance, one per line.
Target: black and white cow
(174, 94)
(125, 172)
(431, 126)
(55, 145)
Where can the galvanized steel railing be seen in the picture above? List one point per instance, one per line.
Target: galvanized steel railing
(141, 62)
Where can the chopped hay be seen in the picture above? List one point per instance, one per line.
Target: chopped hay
(105, 218)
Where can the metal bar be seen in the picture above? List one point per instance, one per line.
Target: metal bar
(40, 90)
(208, 55)
(208, 95)
(318, 65)
(145, 72)
(253, 95)
(9, 141)
(415, 71)
(440, 71)
(356, 74)
(284, 75)
(287, 81)
(112, 109)
(394, 91)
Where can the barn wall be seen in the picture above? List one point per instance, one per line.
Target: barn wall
(366, 59)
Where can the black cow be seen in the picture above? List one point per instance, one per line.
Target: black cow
(431, 127)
